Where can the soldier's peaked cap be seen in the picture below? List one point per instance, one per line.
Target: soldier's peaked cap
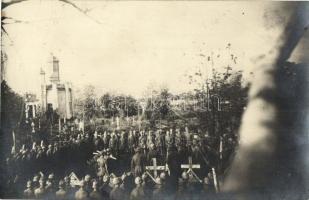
(51, 176)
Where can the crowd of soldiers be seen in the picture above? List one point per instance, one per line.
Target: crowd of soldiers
(100, 154)
(203, 148)
(111, 187)
(69, 152)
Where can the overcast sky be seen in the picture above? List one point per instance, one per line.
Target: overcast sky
(124, 46)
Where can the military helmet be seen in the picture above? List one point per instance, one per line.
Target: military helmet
(116, 181)
(35, 178)
(138, 180)
(105, 178)
(61, 183)
(158, 181)
(29, 183)
(82, 183)
(162, 175)
(144, 176)
(87, 177)
(94, 184)
(184, 175)
(66, 179)
(50, 176)
(206, 180)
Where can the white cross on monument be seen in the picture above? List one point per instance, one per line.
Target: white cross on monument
(190, 168)
(155, 168)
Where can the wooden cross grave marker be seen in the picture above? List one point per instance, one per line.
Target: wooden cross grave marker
(190, 168)
(155, 168)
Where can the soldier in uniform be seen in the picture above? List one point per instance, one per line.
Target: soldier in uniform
(178, 138)
(183, 152)
(87, 183)
(35, 182)
(33, 150)
(61, 193)
(28, 193)
(131, 142)
(142, 141)
(158, 192)
(152, 153)
(49, 151)
(52, 181)
(135, 138)
(101, 170)
(55, 147)
(172, 140)
(167, 138)
(40, 191)
(163, 178)
(106, 138)
(123, 142)
(188, 136)
(195, 150)
(67, 185)
(208, 190)
(137, 163)
(192, 187)
(182, 139)
(161, 143)
(117, 192)
(95, 194)
(98, 143)
(81, 194)
(113, 144)
(227, 149)
(150, 139)
(49, 189)
(105, 187)
(138, 192)
(147, 185)
(173, 162)
(182, 192)
(128, 183)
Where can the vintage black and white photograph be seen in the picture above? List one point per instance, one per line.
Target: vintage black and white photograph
(154, 100)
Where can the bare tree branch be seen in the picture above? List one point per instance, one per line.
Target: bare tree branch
(10, 2)
(85, 12)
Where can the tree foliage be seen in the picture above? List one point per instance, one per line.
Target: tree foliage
(221, 95)
(118, 105)
(158, 106)
(12, 113)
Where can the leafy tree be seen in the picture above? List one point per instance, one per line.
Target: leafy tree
(106, 105)
(132, 106)
(89, 102)
(163, 103)
(221, 95)
(118, 105)
(158, 106)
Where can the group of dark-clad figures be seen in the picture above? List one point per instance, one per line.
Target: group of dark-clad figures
(171, 163)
